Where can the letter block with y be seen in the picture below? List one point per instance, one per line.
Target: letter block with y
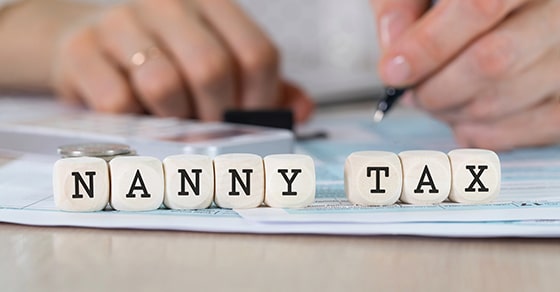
(476, 176)
(290, 180)
(239, 180)
(137, 183)
(426, 177)
(373, 178)
(81, 184)
(189, 181)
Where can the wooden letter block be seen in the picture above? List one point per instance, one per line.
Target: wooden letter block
(373, 178)
(290, 180)
(239, 181)
(189, 181)
(476, 176)
(426, 177)
(136, 183)
(81, 184)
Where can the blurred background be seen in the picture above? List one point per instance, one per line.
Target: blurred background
(329, 47)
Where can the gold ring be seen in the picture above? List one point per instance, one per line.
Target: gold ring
(141, 57)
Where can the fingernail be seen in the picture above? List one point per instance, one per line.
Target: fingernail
(397, 71)
(391, 27)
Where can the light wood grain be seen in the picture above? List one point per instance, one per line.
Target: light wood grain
(76, 259)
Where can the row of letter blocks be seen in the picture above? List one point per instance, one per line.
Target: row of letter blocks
(371, 178)
(470, 176)
(141, 183)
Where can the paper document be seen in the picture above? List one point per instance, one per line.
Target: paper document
(528, 206)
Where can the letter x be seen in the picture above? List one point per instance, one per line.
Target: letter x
(476, 178)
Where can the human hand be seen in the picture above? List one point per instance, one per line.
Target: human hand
(190, 59)
(486, 67)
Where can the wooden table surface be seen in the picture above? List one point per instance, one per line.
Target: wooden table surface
(79, 259)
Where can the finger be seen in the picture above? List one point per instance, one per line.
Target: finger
(95, 79)
(202, 59)
(155, 80)
(494, 66)
(255, 55)
(395, 17)
(62, 82)
(298, 101)
(510, 96)
(443, 32)
(537, 126)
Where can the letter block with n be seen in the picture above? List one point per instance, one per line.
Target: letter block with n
(137, 183)
(239, 181)
(81, 184)
(189, 181)
(290, 180)
(476, 176)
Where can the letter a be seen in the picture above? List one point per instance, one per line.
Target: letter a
(141, 186)
(430, 182)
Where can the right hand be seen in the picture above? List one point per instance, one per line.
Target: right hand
(489, 68)
(189, 59)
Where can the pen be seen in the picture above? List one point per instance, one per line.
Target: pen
(392, 94)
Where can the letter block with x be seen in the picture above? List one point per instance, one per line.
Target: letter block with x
(476, 176)
(137, 183)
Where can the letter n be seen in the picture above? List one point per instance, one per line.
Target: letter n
(79, 180)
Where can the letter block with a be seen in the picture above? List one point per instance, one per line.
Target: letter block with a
(189, 181)
(476, 176)
(239, 180)
(290, 180)
(81, 184)
(373, 178)
(426, 177)
(137, 183)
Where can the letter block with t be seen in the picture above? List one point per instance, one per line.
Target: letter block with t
(81, 184)
(137, 183)
(476, 176)
(189, 181)
(426, 177)
(290, 180)
(239, 181)
(373, 178)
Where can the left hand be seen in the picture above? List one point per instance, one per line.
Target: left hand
(489, 68)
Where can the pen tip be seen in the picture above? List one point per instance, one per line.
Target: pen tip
(378, 116)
